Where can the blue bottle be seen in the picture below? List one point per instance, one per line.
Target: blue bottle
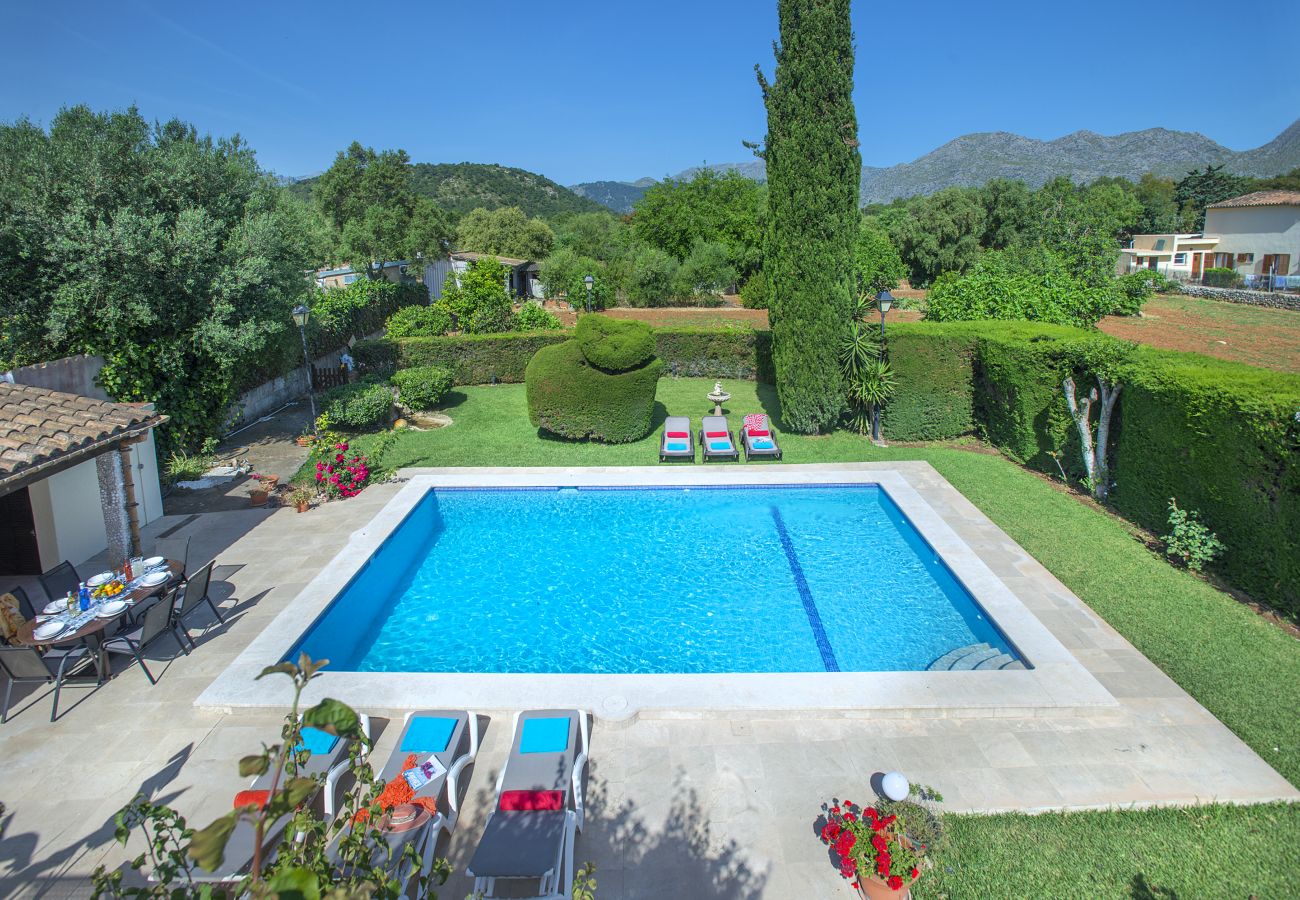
(83, 597)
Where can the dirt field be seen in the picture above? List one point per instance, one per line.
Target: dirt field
(1250, 334)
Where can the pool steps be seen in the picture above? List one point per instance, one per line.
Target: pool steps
(977, 657)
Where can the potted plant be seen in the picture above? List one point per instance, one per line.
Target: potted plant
(257, 490)
(884, 848)
(307, 438)
(301, 497)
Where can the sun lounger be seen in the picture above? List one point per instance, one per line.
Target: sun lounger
(677, 442)
(329, 757)
(539, 808)
(715, 439)
(758, 438)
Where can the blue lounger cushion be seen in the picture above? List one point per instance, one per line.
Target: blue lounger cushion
(761, 444)
(720, 445)
(676, 445)
(320, 743)
(428, 734)
(548, 735)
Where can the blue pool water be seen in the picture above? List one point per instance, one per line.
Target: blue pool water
(745, 579)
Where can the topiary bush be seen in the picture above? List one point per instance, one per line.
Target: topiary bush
(418, 321)
(422, 387)
(614, 344)
(363, 406)
(568, 396)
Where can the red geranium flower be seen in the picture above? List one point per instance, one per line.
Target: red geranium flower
(915, 873)
(894, 882)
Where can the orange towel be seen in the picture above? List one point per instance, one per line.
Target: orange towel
(397, 792)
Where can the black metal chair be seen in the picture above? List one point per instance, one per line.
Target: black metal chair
(24, 602)
(60, 581)
(174, 548)
(193, 593)
(155, 623)
(28, 665)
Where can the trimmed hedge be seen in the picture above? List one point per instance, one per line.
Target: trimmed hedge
(422, 387)
(726, 352)
(418, 321)
(569, 397)
(1223, 439)
(614, 344)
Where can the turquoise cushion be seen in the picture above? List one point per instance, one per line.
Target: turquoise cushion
(428, 734)
(677, 445)
(545, 735)
(761, 444)
(719, 445)
(320, 743)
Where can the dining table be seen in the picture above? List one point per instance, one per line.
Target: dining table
(92, 629)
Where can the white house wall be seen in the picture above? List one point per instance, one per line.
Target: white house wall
(148, 491)
(68, 517)
(1259, 230)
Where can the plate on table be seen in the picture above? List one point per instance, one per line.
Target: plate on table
(153, 561)
(96, 580)
(153, 579)
(58, 606)
(49, 630)
(111, 608)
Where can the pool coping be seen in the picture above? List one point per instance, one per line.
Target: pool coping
(1057, 683)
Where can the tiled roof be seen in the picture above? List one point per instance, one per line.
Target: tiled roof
(39, 426)
(1260, 198)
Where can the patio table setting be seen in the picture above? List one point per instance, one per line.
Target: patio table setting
(111, 597)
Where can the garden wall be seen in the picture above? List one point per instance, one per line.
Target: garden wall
(1241, 295)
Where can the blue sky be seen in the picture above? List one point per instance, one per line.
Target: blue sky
(581, 91)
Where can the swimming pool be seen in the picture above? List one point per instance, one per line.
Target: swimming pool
(651, 580)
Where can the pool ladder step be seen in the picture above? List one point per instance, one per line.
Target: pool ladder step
(975, 657)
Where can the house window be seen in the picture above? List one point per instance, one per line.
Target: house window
(1180, 259)
(348, 279)
(1245, 257)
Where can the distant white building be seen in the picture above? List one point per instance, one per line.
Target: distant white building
(522, 275)
(1257, 235)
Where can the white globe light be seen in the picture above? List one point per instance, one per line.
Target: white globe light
(895, 786)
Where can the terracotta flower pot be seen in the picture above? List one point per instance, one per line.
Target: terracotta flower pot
(304, 440)
(872, 888)
(270, 481)
(258, 498)
(304, 506)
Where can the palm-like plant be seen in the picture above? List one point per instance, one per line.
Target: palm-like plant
(869, 380)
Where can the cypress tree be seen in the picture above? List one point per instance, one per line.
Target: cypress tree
(813, 171)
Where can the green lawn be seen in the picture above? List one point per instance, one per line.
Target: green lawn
(1243, 669)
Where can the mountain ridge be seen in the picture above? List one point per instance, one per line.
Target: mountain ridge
(972, 159)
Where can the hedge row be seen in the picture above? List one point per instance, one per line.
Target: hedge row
(1220, 437)
(738, 353)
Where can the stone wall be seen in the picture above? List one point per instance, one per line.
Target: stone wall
(1241, 295)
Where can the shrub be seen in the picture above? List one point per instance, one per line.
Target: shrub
(532, 317)
(650, 278)
(753, 293)
(1220, 277)
(422, 387)
(418, 321)
(1188, 540)
(705, 272)
(614, 345)
(356, 310)
(935, 396)
(1135, 289)
(363, 406)
(339, 475)
(730, 351)
(478, 300)
(569, 397)
(471, 358)
(876, 263)
(1031, 284)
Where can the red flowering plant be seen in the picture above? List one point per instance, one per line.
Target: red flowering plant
(339, 474)
(888, 842)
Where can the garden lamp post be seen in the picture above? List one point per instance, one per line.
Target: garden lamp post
(590, 283)
(884, 300)
(300, 316)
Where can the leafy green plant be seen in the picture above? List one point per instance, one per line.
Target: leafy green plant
(1189, 540)
(363, 406)
(869, 381)
(1135, 289)
(753, 293)
(477, 297)
(532, 317)
(418, 321)
(422, 387)
(584, 881)
(345, 857)
(1222, 277)
(182, 466)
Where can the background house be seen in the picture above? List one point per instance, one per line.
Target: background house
(395, 271)
(1257, 235)
(522, 275)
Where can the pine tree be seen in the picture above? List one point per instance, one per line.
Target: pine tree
(813, 171)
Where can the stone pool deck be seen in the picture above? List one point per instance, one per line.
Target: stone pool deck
(683, 804)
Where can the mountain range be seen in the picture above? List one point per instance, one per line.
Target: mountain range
(973, 159)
